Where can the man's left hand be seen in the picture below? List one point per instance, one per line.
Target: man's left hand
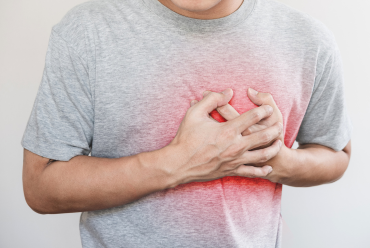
(279, 163)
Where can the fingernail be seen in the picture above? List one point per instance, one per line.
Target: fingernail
(280, 127)
(270, 109)
(227, 92)
(253, 92)
(270, 169)
(192, 103)
(280, 143)
(206, 92)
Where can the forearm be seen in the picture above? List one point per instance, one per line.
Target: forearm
(90, 183)
(312, 165)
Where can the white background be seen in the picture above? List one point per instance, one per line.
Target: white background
(330, 216)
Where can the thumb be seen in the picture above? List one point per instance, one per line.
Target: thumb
(213, 100)
(253, 172)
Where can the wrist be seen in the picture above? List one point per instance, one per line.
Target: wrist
(160, 163)
(292, 169)
(286, 165)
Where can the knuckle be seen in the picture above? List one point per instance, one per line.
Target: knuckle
(268, 109)
(231, 165)
(267, 96)
(276, 130)
(231, 152)
(265, 137)
(227, 134)
(222, 110)
(209, 153)
(234, 150)
(280, 127)
(256, 115)
(233, 172)
(237, 162)
(253, 173)
(265, 156)
(213, 95)
(275, 148)
(247, 131)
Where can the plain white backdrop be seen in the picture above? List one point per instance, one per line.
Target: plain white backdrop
(329, 216)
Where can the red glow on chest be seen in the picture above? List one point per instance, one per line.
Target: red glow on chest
(240, 102)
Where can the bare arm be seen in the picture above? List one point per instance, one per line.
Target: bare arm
(310, 165)
(202, 150)
(89, 183)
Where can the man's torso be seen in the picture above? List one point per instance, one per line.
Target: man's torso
(145, 69)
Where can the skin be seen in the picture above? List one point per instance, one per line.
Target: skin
(202, 150)
(203, 9)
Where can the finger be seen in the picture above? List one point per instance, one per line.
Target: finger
(262, 137)
(228, 105)
(260, 156)
(206, 93)
(263, 124)
(250, 118)
(228, 112)
(260, 98)
(214, 100)
(210, 117)
(254, 128)
(268, 121)
(193, 102)
(252, 172)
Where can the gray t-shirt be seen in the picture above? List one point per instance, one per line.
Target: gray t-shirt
(118, 79)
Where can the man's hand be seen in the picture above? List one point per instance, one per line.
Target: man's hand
(278, 162)
(211, 150)
(260, 99)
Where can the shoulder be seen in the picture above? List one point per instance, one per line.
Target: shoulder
(78, 18)
(91, 12)
(80, 25)
(292, 23)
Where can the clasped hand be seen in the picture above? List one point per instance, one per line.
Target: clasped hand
(278, 162)
(250, 144)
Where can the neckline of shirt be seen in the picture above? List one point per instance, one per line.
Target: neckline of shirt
(200, 25)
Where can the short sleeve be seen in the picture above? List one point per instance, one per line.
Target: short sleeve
(326, 121)
(61, 123)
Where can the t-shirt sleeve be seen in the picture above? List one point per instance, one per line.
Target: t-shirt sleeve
(326, 121)
(61, 123)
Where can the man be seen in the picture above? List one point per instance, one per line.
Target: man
(118, 80)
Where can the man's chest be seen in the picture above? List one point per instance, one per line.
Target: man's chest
(144, 87)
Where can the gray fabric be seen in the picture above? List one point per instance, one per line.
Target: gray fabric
(326, 121)
(119, 77)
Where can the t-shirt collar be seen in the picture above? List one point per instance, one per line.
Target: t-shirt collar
(192, 24)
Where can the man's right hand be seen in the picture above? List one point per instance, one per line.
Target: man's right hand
(204, 149)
